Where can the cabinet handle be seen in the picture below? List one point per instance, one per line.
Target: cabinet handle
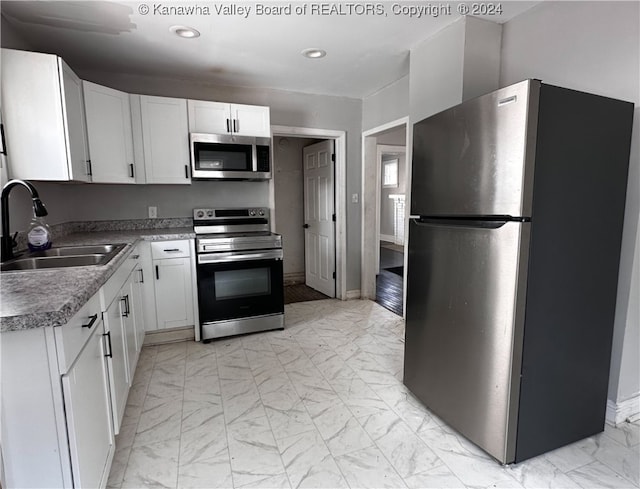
(172, 250)
(141, 276)
(157, 273)
(3, 144)
(108, 335)
(131, 174)
(228, 126)
(89, 169)
(127, 310)
(186, 171)
(92, 321)
(236, 125)
(123, 303)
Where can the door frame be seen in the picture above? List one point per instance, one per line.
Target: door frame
(381, 150)
(340, 192)
(369, 259)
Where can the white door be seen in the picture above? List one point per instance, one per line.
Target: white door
(319, 209)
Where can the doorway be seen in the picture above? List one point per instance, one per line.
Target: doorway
(385, 190)
(313, 264)
(391, 163)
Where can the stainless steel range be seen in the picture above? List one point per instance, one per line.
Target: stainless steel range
(239, 267)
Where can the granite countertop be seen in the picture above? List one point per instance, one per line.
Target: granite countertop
(41, 298)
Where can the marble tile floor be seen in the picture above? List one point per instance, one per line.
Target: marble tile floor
(321, 404)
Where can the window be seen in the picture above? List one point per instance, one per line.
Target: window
(390, 173)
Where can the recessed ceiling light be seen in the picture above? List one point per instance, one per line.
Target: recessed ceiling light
(184, 31)
(314, 53)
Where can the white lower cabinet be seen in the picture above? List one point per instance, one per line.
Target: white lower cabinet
(117, 360)
(173, 283)
(122, 332)
(55, 412)
(65, 388)
(138, 307)
(88, 413)
(174, 293)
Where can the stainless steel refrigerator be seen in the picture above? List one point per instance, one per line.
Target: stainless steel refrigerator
(517, 206)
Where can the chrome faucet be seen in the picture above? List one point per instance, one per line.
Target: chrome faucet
(7, 241)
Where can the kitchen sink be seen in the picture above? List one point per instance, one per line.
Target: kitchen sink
(63, 257)
(79, 250)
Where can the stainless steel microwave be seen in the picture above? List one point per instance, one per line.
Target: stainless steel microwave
(228, 157)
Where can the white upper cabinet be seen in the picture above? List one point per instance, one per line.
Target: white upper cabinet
(220, 118)
(250, 120)
(109, 134)
(209, 117)
(165, 139)
(43, 113)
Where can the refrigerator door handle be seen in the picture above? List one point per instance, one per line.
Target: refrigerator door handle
(493, 223)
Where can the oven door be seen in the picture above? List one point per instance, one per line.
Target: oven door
(236, 285)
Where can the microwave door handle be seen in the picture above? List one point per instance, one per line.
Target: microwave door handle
(254, 157)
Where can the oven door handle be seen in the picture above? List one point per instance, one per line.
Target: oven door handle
(234, 256)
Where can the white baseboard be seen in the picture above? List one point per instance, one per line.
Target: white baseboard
(174, 335)
(622, 411)
(388, 237)
(353, 294)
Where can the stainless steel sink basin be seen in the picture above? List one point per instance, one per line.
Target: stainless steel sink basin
(63, 257)
(78, 250)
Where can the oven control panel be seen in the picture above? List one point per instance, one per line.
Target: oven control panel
(213, 214)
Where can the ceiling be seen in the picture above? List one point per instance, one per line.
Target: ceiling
(364, 52)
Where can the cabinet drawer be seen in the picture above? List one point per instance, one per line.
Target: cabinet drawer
(170, 249)
(71, 337)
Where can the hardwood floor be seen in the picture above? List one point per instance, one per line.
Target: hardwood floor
(301, 293)
(389, 284)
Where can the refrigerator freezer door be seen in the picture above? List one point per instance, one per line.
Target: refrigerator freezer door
(477, 158)
(465, 316)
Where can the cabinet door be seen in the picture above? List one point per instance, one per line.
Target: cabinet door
(251, 120)
(88, 413)
(209, 117)
(137, 306)
(34, 116)
(129, 326)
(78, 152)
(109, 134)
(165, 136)
(117, 361)
(174, 293)
(147, 286)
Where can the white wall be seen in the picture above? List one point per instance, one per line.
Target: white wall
(387, 104)
(592, 46)
(436, 73)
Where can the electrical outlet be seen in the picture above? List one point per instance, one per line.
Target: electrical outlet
(354, 198)
(153, 212)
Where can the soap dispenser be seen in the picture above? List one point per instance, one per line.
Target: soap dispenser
(39, 235)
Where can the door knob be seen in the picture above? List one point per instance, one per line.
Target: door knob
(306, 226)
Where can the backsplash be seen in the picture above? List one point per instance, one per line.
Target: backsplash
(65, 228)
